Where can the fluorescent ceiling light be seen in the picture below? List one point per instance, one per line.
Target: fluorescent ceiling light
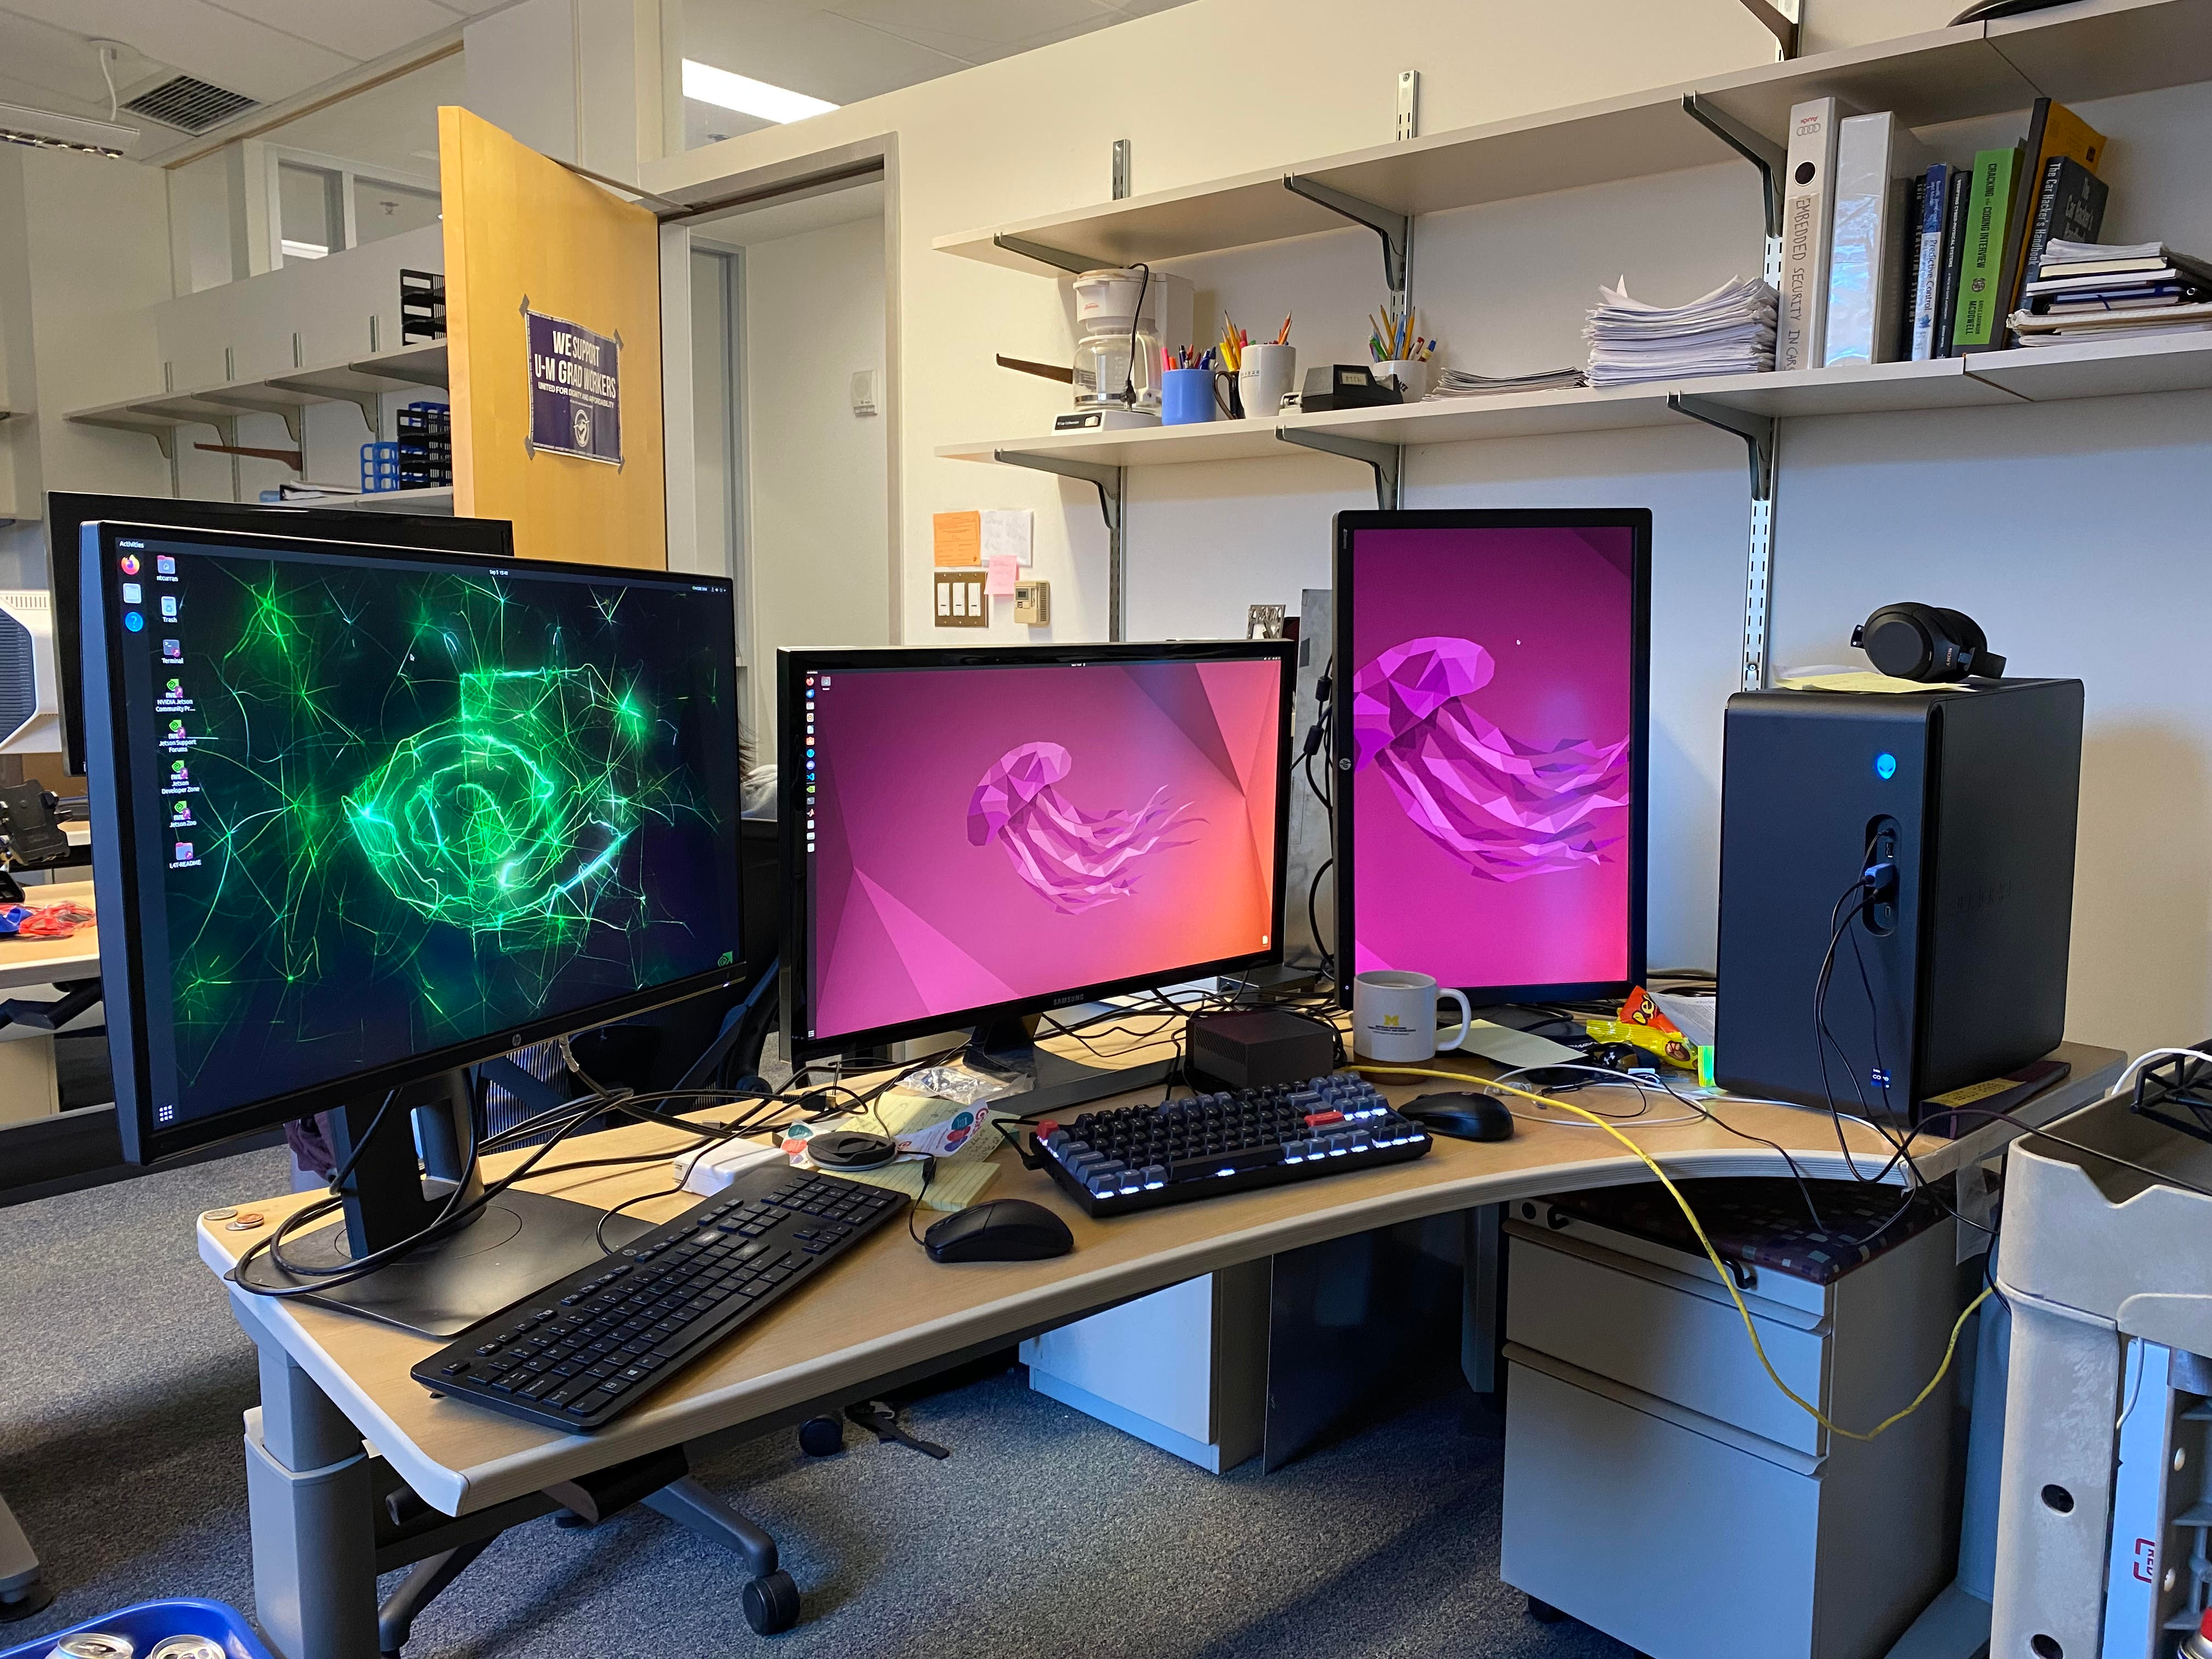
(76, 131)
(747, 96)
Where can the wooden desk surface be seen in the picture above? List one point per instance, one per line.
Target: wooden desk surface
(41, 962)
(889, 1306)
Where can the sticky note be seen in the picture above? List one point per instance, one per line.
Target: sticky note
(957, 537)
(1002, 573)
(1006, 532)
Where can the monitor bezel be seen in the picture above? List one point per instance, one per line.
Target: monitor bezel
(1348, 526)
(69, 511)
(115, 873)
(791, 667)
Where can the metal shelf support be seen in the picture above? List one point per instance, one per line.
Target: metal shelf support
(1759, 433)
(1762, 153)
(1396, 230)
(1107, 481)
(1074, 262)
(1388, 460)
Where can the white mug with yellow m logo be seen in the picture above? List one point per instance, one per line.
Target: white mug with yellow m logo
(1394, 1016)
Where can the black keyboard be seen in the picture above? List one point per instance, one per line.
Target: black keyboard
(588, 1347)
(1138, 1158)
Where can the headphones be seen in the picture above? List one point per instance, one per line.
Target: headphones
(1927, 642)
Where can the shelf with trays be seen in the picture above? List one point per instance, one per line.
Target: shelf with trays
(2095, 49)
(360, 381)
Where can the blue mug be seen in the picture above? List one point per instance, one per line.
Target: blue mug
(1186, 395)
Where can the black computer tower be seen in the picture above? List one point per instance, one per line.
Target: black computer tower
(1957, 976)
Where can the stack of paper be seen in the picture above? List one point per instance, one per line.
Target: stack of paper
(1727, 332)
(1465, 383)
(2106, 291)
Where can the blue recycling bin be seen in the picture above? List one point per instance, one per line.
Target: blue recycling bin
(150, 1622)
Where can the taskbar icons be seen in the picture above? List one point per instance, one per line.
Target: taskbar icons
(811, 686)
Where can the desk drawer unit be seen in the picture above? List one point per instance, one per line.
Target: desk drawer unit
(1660, 1488)
(1664, 1333)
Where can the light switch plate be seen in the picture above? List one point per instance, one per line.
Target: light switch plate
(1033, 602)
(864, 392)
(960, 600)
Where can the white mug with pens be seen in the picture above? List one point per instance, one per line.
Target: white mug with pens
(1393, 1016)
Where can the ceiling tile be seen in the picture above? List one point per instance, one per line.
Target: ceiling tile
(358, 30)
(981, 23)
(218, 46)
(808, 49)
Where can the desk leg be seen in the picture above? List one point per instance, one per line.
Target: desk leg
(309, 1495)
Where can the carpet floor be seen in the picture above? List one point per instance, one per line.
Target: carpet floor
(1047, 1533)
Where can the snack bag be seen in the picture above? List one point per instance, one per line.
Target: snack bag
(1644, 1024)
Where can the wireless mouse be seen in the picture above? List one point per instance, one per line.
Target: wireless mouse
(1002, 1229)
(1463, 1117)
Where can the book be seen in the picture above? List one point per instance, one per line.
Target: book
(1983, 259)
(2070, 203)
(1954, 244)
(2162, 275)
(2054, 132)
(1800, 330)
(2111, 323)
(1877, 158)
(1908, 309)
(2063, 258)
(1934, 195)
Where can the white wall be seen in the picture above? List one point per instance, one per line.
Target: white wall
(2078, 534)
(818, 563)
(88, 240)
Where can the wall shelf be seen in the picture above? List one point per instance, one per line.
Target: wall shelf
(2173, 362)
(361, 382)
(2095, 50)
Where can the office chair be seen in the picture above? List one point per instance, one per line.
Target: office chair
(23, 1587)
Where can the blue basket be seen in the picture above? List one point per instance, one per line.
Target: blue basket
(154, 1621)
(380, 470)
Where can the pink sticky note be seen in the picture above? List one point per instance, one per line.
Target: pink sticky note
(1000, 575)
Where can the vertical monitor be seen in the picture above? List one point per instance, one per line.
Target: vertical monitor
(68, 511)
(377, 815)
(981, 834)
(1490, 704)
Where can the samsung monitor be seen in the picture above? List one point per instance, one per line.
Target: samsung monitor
(378, 815)
(1490, 699)
(67, 512)
(974, 835)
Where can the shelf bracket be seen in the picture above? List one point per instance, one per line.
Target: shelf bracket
(366, 402)
(1759, 434)
(1388, 460)
(1108, 481)
(164, 437)
(1396, 230)
(1777, 22)
(288, 413)
(1769, 157)
(1073, 262)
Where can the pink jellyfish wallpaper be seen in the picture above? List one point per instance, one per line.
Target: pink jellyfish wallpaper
(1072, 859)
(1505, 809)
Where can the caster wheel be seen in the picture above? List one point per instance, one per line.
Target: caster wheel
(1544, 1613)
(771, 1603)
(569, 1521)
(822, 1437)
(26, 1600)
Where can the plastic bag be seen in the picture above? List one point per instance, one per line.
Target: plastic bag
(957, 1083)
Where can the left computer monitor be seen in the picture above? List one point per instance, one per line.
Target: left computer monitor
(68, 511)
(379, 815)
(972, 836)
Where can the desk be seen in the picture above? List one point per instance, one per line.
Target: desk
(27, 1085)
(329, 1380)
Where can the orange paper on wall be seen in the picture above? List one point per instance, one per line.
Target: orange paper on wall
(957, 537)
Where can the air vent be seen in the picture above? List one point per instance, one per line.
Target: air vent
(194, 105)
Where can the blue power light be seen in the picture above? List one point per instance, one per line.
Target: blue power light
(1885, 766)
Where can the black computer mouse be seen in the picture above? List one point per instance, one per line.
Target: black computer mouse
(1004, 1230)
(1463, 1117)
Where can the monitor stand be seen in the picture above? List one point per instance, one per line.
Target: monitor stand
(517, 1242)
(1046, 1082)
